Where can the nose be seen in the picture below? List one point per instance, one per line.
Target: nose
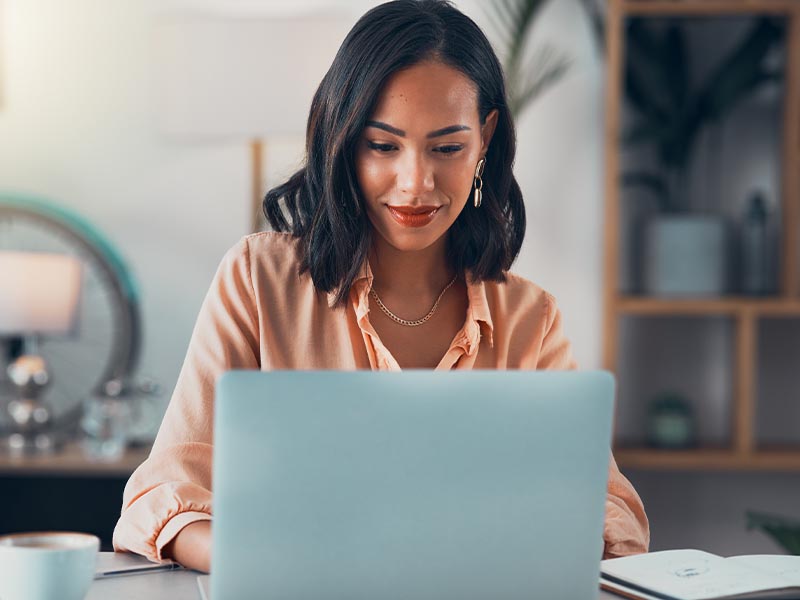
(415, 175)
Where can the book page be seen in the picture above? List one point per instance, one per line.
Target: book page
(690, 574)
(785, 567)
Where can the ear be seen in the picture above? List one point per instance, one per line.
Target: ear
(487, 130)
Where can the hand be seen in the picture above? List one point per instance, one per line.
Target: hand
(191, 548)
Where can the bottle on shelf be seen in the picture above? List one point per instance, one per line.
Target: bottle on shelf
(754, 247)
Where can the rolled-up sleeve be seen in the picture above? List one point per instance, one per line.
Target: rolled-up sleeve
(626, 529)
(172, 488)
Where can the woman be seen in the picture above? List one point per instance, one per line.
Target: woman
(392, 249)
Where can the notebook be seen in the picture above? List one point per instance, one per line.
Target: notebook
(697, 575)
(410, 485)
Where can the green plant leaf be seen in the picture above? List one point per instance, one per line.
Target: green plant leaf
(742, 72)
(646, 72)
(502, 22)
(642, 133)
(723, 105)
(545, 69)
(651, 182)
(595, 11)
(526, 80)
(784, 531)
(518, 17)
(642, 39)
(676, 68)
(657, 83)
(636, 92)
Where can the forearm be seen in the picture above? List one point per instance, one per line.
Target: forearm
(191, 547)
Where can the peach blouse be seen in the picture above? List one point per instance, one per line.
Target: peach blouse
(259, 314)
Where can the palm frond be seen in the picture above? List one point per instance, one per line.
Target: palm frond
(514, 20)
(595, 11)
(516, 17)
(676, 69)
(643, 133)
(647, 79)
(546, 67)
(742, 72)
(655, 184)
(784, 530)
(638, 91)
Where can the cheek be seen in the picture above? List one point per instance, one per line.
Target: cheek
(373, 177)
(458, 181)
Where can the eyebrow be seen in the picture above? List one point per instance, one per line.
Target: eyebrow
(433, 134)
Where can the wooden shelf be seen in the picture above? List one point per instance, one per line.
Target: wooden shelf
(71, 462)
(706, 8)
(708, 459)
(744, 452)
(733, 306)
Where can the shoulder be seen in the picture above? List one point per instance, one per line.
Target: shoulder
(273, 265)
(527, 320)
(266, 252)
(262, 260)
(270, 245)
(520, 297)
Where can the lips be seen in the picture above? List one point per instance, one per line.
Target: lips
(413, 216)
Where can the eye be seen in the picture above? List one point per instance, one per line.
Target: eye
(449, 149)
(381, 147)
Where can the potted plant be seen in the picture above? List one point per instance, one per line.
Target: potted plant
(685, 252)
(526, 78)
(785, 531)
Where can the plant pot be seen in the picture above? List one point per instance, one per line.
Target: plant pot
(686, 255)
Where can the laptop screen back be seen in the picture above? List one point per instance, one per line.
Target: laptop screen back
(420, 484)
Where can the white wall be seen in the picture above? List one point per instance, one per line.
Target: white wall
(559, 168)
(78, 125)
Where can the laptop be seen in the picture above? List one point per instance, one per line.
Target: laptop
(410, 485)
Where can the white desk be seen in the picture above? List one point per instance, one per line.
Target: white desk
(169, 585)
(164, 585)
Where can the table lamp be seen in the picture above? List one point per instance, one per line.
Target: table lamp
(222, 78)
(39, 295)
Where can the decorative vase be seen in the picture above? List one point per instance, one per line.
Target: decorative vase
(686, 255)
(670, 422)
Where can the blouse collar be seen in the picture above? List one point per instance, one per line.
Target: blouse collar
(478, 321)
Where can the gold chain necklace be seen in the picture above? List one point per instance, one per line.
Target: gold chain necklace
(405, 322)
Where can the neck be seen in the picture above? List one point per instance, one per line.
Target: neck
(422, 272)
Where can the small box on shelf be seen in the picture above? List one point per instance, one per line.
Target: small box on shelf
(675, 382)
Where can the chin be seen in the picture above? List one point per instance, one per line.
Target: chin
(410, 241)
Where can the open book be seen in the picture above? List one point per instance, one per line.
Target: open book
(698, 575)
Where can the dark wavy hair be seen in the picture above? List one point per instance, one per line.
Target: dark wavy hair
(322, 205)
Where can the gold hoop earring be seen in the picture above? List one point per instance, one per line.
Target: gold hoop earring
(478, 183)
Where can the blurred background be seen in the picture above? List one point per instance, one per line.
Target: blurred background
(659, 158)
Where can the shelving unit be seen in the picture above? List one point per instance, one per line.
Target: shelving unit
(65, 491)
(744, 453)
(70, 461)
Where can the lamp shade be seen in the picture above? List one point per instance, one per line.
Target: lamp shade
(39, 292)
(242, 78)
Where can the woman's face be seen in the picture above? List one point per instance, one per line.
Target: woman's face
(417, 155)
